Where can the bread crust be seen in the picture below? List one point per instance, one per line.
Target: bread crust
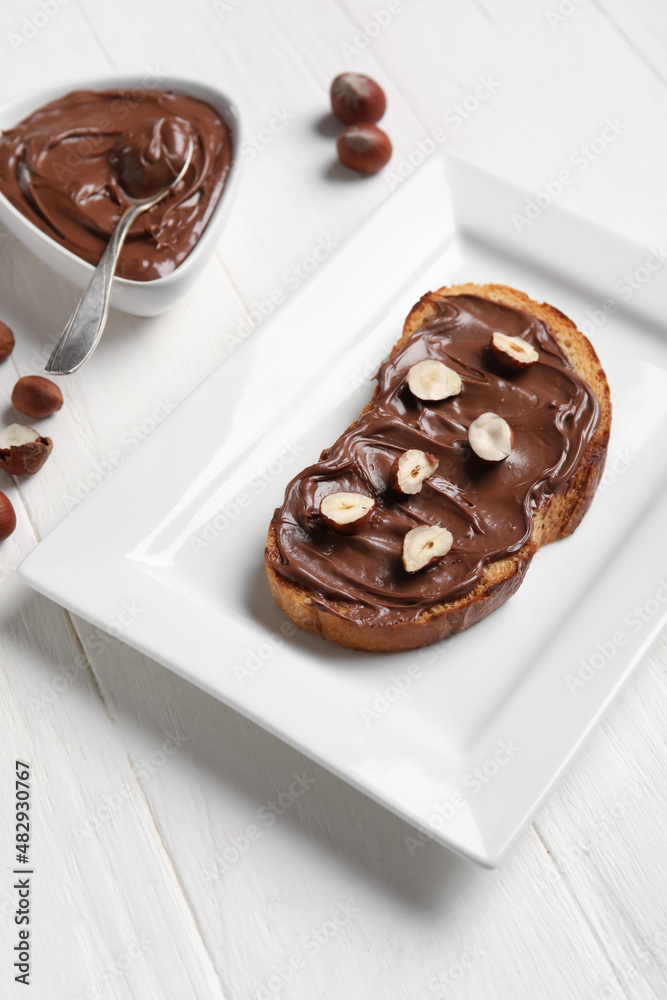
(558, 516)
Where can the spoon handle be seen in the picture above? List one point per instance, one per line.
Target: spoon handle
(84, 328)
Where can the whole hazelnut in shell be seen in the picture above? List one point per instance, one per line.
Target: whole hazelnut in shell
(357, 98)
(36, 397)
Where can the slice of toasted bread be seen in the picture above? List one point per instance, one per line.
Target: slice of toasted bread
(558, 515)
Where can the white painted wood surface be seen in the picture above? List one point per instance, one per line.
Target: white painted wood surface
(146, 882)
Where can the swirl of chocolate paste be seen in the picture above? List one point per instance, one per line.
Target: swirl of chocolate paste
(488, 507)
(65, 165)
(149, 158)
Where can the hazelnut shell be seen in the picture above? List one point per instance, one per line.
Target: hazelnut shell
(25, 459)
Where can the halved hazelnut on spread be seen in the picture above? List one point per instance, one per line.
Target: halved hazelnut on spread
(23, 451)
(490, 437)
(425, 545)
(344, 512)
(410, 470)
(512, 352)
(431, 380)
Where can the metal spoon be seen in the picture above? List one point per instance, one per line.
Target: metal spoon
(86, 325)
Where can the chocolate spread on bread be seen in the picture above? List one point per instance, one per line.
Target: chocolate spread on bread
(64, 165)
(489, 508)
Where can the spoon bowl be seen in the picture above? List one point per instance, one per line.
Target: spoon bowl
(86, 325)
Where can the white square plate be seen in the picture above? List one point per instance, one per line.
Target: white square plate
(463, 739)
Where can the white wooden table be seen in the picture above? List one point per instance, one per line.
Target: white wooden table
(146, 885)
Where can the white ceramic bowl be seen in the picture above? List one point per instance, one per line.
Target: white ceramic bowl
(142, 298)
